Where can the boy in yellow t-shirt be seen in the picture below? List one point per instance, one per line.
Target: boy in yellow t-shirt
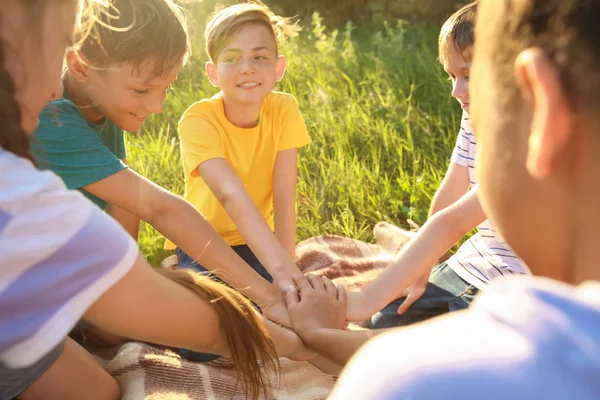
(240, 147)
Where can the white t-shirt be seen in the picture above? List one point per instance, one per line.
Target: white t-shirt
(521, 339)
(58, 254)
(485, 256)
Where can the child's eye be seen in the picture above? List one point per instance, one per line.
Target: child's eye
(260, 58)
(140, 92)
(230, 60)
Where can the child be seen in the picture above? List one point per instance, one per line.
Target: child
(536, 89)
(52, 273)
(240, 147)
(455, 210)
(120, 76)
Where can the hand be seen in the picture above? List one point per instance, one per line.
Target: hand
(414, 292)
(316, 304)
(276, 310)
(359, 307)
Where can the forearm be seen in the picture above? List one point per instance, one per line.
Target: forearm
(257, 233)
(415, 259)
(285, 230)
(205, 245)
(338, 345)
(146, 306)
(129, 221)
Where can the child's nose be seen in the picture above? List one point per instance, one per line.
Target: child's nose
(156, 105)
(247, 66)
(460, 88)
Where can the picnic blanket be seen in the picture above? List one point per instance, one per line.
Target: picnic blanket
(147, 372)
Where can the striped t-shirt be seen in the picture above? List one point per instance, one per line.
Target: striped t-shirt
(485, 256)
(59, 253)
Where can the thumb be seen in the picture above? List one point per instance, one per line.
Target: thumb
(410, 299)
(291, 297)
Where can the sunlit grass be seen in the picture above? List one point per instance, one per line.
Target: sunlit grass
(379, 111)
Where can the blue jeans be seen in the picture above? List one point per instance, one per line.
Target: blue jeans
(185, 261)
(445, 292)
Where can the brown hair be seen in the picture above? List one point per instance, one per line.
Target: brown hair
(225, 23)
(137, 31)
(12, 136)
(458, 31)
(244, 332)
(566, 30)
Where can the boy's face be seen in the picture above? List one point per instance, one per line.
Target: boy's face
(520, 191)
(127, 96)
(248, 67)
(458, 67)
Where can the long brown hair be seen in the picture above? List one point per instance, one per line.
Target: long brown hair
(12, 136)
(252, 350)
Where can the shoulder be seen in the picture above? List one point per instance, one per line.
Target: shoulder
(64, 116)
(209, 109)
(281, 99)
(510, 341)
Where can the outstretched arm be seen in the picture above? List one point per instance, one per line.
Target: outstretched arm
(434, 238)
(284, 199)
(168, 213)
(231, 193)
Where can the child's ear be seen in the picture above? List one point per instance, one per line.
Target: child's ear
(280, 67)
(79, 66)
(211, 72)
(552, 126)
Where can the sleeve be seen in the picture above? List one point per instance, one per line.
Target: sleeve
(53, 273)
(65, 144)
(120, 144)
(200, 141)
(293, 128)
(460, 155)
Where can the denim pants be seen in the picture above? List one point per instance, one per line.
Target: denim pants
(445, 292)
(185, 261)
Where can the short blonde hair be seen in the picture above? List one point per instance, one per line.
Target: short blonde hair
(225, 23)
(458, 32)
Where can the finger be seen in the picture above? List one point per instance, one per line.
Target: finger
(316, 282)
(342, 296)
(410, 299)
(302, 282)
(329, 286)
(291, 297)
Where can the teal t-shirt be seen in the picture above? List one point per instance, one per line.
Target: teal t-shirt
(79, 151)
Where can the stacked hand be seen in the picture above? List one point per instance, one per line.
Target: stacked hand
(315, 303)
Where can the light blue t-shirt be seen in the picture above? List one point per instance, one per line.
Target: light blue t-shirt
(81, 152)
(52, 268)
(526, 338)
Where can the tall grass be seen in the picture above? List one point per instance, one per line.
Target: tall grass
(379, 111)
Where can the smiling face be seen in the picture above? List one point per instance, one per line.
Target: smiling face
(458, 67)
(124, 94)
(248, 67)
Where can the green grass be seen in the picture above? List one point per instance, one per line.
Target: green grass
(379, 111)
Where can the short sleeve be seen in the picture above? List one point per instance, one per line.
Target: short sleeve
(121, 152)
(200, 141)
(293, 128)
(460, 155)
(53, 268)
(65, 144)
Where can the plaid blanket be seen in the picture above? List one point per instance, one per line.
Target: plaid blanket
(147, 372)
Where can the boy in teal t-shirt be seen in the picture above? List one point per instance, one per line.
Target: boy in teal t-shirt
(80, 151)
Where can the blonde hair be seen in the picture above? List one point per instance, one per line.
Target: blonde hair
(225, 23)
(458, 32)
(246, 336)
(136, 31)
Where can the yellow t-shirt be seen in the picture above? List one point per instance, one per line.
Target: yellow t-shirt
(205, 134)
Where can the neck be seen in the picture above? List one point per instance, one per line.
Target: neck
(240, 115)
(77, 92)
(584, 255)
